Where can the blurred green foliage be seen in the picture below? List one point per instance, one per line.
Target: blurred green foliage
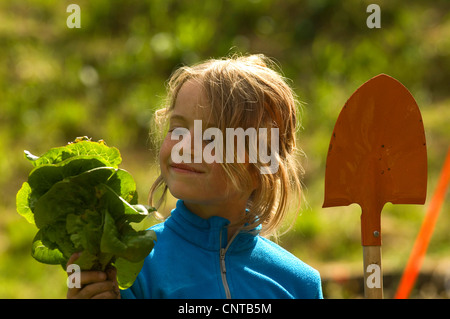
(105, 80)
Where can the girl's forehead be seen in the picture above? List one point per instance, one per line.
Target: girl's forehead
(191, 102)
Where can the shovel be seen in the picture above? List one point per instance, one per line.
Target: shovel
(377, 154)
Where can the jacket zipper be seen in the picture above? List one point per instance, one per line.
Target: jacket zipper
(223, 269)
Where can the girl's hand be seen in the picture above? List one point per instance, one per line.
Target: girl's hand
(95, 284)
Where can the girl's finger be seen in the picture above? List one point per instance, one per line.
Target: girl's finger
(95, 289)
(92, 276)
(72, 258)
(111, 272)
(87, 278)
(111, 294)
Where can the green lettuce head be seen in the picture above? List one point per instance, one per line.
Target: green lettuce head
(81, 201)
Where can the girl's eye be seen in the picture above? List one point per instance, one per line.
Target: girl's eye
(171, 129)
(178, 131)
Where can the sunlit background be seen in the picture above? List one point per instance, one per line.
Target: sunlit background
(106, 78)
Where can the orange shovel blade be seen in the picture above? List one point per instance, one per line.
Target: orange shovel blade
(377, 153)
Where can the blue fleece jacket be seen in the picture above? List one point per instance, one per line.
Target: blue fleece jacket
(192, 259)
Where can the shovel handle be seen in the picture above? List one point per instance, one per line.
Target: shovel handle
(373, 273)
(371, 224)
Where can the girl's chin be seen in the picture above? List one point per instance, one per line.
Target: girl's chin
(185, 194)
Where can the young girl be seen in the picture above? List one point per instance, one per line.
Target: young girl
(212, 245)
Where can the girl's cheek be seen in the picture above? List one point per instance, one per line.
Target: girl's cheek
(165, 151)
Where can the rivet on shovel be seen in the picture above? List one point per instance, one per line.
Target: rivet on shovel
(383, 113)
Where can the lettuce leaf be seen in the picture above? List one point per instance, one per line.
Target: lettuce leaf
(81, 146)
(80, 200)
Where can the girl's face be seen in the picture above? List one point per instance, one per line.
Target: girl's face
(195, 183)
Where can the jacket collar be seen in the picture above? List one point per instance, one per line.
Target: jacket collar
(207, 233)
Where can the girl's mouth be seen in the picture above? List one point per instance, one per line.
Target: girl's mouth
(184, 168)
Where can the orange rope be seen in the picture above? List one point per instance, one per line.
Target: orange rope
(423, 238)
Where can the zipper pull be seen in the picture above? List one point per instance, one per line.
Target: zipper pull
(222, 260)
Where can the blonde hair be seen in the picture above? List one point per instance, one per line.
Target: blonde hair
(246, 92)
